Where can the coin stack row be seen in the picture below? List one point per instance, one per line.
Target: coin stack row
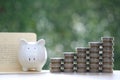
(98, 57)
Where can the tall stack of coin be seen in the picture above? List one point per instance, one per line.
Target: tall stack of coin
(55, 64)
(108, 54)
(81, 59)
(69, 61)
(94, 56)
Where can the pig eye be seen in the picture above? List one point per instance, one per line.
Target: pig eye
(28, 48)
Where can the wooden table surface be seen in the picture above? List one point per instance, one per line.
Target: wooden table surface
(46, 75)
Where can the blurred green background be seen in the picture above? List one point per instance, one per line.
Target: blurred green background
(64, 24)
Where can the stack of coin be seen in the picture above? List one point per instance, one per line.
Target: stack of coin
(100, 63)
(88, 59)
(108, 54)
(94, 56)
(81, 59)
(69, 61)
(75, 62)
(55, 64)
(100, 57)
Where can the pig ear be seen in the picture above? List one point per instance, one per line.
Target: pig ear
(23, 41)
(41, 42)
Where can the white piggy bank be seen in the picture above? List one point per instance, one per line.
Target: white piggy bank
(32, 55)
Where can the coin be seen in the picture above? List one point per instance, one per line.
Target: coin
(107, 55)
(82, 49)
(110, 70)
(80, 65)
(107, 66)
(68, 70)
(107, 38)
(56, 60)
(94, 49)
(94, 70)
(107, 51)
(55, 65)
(107, 60)
(81, 70)
(81, 54)
(96, 55)
(68, 60)
(81, 60)
(68, 65)
(107, 44)
(92, 66)
(94, 60)
(95, 44)
(108, 48)
(69, 54)
(55, 70)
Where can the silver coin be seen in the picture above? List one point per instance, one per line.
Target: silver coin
(81, 54)
(55, 70)
(108, 47)
(68, 65)
(81, 65)
(107, 44)
(56, 60)
(94, 70)
(107, 70)
(92, 66)
(107, 51)
(107, 66)
(69, 54)
(95, 44)
(94, 54)
(94, 60)
(81, 60)
(94, 49)
(82, 49)
(81, 70)
(68, 70)
(69, 60)
(55, 65)
(107, 55)
(107, 38)
(107, 60)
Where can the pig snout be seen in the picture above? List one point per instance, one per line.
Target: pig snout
(31, 59)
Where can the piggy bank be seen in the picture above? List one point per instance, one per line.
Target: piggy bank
(32, 55)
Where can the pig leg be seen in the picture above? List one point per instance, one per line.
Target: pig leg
(39, 69)
(25, 69)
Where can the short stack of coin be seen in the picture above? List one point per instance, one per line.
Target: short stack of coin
(75, 62)
(81, 59)
(88, 59)
(100, 57)
(55, 65)
(69, 61)
(94, 56)
(108, 54)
